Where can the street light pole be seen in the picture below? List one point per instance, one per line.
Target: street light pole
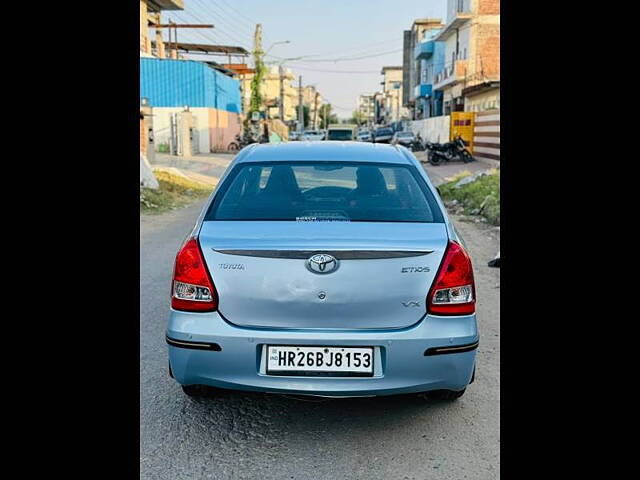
(300, 107)
(281, 103)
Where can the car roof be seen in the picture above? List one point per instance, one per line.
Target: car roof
(324, 150)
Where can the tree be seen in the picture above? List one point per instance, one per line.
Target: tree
(256, 82)
(305, 115)
(327, 117)
(358, 118)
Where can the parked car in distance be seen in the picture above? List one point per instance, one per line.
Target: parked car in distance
(341, 132)
(405, 138)
(364, 136)
(312, 135)
(327, 269)
(382, 135)
(293, 136)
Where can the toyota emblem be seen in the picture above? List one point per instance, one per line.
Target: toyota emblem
(322, 263)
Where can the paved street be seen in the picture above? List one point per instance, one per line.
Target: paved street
(241, 435)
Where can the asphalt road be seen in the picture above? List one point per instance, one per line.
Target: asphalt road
(246, 436)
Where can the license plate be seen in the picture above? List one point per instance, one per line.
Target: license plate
(319, 361)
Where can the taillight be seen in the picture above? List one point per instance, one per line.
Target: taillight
(193, 289)
(453, 291)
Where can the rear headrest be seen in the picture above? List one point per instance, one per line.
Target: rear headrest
(370, 181)
(282, 181)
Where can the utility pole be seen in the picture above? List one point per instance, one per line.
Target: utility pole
(300, 106)
(281, 103)
(256, 82)
(315, 112)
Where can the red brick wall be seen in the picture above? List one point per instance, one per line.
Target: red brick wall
(489, 7)
(143, 137)
(489, 49)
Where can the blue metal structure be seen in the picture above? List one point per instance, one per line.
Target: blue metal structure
(430, 54)
(176, 83)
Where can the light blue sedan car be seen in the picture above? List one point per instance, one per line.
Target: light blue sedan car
(327, 269)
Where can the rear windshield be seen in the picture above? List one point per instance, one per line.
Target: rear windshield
(384, 132)
(340, 135)
(325, 191)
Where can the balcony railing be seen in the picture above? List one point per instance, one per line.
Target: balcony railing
(452, 73)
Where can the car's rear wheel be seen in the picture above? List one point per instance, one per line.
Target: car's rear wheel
(445, 394)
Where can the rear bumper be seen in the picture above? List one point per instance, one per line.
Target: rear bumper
(403, 359)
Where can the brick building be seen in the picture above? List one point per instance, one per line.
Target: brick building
(470, 80)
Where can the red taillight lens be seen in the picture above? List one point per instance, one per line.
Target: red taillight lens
(192, 288)
(454, 291)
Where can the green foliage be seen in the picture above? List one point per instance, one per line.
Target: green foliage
(174, 192)
(358, 118)
(480, 197)
(327, 117)
(306, 115)
(256, 97)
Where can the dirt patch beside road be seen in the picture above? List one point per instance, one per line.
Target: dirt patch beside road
(176, 190)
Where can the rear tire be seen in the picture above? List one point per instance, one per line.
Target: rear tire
(434, 159)
(233, 147)
(449, 395)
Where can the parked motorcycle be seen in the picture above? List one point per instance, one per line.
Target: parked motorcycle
(418, 144)
(461, 150)
(241, 141)
(447, 152)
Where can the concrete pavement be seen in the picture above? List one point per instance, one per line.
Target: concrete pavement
(438, 174)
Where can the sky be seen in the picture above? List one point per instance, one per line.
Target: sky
(330, 36)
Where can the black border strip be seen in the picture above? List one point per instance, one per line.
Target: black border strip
(194, 345)
(457, 349)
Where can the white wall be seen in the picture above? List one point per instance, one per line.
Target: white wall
(435, 129)
(162, 126)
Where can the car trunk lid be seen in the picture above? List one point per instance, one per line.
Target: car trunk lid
(261, 275)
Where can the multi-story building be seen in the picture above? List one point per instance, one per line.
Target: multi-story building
(392, 109)
(150, 13)
(270, 90)
(366, 107)
(416, 52)
(312, 98)
(471, 74)
(430, 57)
